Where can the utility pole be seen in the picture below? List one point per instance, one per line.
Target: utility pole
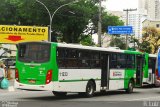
(100, 23)
(52, 15)
(127, 11)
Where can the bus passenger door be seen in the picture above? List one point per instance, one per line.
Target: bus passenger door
(153, 61)
(139, 70)
(104, 71)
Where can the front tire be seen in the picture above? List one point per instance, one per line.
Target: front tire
(59, 94)
(130, 87)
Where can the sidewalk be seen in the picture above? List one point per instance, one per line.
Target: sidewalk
(11, 84)
(10, 88)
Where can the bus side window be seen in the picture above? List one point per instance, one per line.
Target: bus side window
(151, 62)
(61, 57)
(95, 59)
(113, 63)
(130, 62)
(71, 58)
(84, 59)
(121, 60)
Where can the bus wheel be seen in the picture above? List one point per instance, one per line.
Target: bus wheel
(130, 87)
(59, 94)
(90, 88)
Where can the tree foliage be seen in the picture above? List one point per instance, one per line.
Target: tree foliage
(118, 42)
(150, 39)
(110, 20)
(69, 22)
(87, 40)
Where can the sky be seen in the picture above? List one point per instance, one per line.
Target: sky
(119, 5)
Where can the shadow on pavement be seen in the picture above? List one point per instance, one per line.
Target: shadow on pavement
(76, 96)
(147, 87)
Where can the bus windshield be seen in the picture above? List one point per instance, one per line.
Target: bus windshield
(34, 52)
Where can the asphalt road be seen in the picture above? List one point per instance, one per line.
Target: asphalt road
(142, 97)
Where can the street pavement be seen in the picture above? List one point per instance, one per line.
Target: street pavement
(147, 96)
(142, 97)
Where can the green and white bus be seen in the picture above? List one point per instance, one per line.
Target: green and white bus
(63, 68)
(149, 69)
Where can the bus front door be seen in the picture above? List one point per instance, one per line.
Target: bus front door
(104, 71)
(139, 70)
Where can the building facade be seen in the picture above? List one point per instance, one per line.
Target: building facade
(151, 23)
(135, 20)
(152, 7)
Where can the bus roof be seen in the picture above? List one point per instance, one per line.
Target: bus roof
(152, 55)
(96, 48)
(78, 46)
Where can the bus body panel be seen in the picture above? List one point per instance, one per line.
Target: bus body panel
(145, 68)
(116, 84)
(71, 79)
(29, 86)
(117, 77)
(129, 74)
(79, 74)
(135, 73)
(149, 69)
(32, 73)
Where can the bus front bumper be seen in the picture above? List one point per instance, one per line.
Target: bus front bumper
(46, 87)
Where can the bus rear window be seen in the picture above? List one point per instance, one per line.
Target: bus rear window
(34, 52)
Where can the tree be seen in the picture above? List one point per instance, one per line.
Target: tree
(107, 20)
(75, 25)
(70, 27)
(110, 20)
(141, 46)
(86, 40)
(8, 12)
(118, 42)
(150, 39)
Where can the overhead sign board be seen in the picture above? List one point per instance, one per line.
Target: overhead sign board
(120, 30)
(15, 34)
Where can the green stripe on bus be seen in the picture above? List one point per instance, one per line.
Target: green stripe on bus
(117, 79)
(77, 80)
(93, 79)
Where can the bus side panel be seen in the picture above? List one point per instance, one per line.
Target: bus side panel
(75, 80)
(116, 80)
(54, 62)
(129, 74)
(145, 67)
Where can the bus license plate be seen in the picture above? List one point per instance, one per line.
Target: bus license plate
(32, 81)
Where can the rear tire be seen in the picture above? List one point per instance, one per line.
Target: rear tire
(130, 87)
(90, 89)
(59, 94)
